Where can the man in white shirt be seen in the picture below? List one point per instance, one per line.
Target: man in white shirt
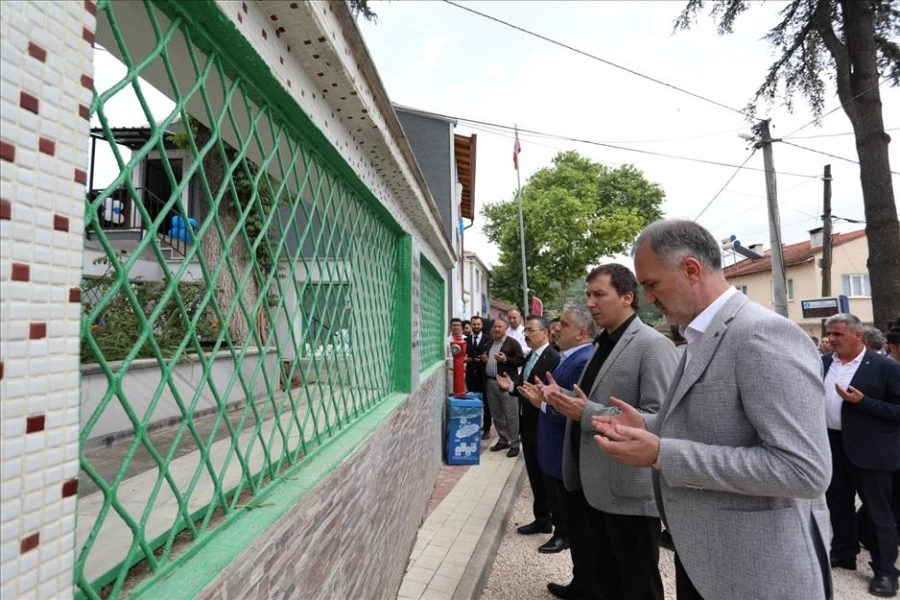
(862, 410)
(517, 329)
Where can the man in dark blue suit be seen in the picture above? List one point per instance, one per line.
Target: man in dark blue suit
(575, 340)
(862, 404)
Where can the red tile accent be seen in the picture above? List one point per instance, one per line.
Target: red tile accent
(70, 488)
(29, 102)
(35, 424)
(37, 331)
(87, 82)
(80, 176)
(87, 35)
(7, 151)
(29, 543)
(5, 210)
(35, 51)
(47, 146)
(84, 112)
(61, 223)
(75, 294)
(90, 6)
(20, 272)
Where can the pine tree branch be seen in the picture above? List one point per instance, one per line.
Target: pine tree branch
(840, 54)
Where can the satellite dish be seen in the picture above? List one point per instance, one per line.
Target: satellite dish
(114, 211)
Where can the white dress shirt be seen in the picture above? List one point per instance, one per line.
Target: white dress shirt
(693, 333)
(841, 374)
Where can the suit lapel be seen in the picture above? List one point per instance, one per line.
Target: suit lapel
(616, 351)
(705, 350)
(862, 371)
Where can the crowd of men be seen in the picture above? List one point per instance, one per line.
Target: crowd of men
(744, 438)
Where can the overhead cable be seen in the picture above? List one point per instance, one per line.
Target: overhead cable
(602, 60)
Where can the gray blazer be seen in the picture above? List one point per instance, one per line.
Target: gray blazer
(637, 371)
(744, 460)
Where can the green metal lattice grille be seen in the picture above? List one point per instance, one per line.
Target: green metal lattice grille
(432, 300)
(245, 313)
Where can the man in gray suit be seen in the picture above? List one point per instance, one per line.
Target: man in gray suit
(636, 363)
(739, 449)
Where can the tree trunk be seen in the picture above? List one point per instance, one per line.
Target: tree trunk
(865, 113)
(213, 250)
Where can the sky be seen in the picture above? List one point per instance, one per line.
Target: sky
(436, 57)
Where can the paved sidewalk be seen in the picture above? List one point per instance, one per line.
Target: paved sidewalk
(450, 553)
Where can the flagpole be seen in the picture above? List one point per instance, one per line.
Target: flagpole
(521, 226)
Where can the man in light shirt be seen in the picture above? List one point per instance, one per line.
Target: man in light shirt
(862, 410)
(517, 329)
(739, 449)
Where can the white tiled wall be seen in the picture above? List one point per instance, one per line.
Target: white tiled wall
(46, 53)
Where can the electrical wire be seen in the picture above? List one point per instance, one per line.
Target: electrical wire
(599, 59)
(835, 109)
(525, 132)
(849, 160)
(829, 135)
(730, 179)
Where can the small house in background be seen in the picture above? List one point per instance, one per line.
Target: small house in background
(803, 275)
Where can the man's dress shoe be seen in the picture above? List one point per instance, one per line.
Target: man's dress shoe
(566, 592)
(535, 527)
(513, 452)
(883, 586)
(555, 544)
(500, 445)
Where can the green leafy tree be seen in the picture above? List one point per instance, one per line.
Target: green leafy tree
(852, 43)
(576, 211)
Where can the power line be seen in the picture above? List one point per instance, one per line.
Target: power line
(599, 59)
(849, 160)
(835, 109)
(829, 135)
(730, 179)
(524, 132)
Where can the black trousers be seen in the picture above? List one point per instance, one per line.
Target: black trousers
(684, 588)
(876, 490)
(582, 545)
(627, 555)
(556, 491)
(528, 433)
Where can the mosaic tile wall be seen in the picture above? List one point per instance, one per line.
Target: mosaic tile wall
(46, 74)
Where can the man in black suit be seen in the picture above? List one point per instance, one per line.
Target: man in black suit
(477, 344)
(862, 408)
(540, 360)
(504, 356)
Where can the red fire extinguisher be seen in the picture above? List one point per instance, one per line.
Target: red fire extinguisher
(458, 350)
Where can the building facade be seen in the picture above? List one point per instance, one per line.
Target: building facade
(476, 287)
(447, 160)
(240, 393)
(803, 274)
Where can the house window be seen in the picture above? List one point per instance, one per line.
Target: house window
(790, 289)
(741, 288)
(856, 285)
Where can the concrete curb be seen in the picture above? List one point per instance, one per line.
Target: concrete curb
(478, 569)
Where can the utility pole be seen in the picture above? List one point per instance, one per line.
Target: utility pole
(779, 285)
(826, 237)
